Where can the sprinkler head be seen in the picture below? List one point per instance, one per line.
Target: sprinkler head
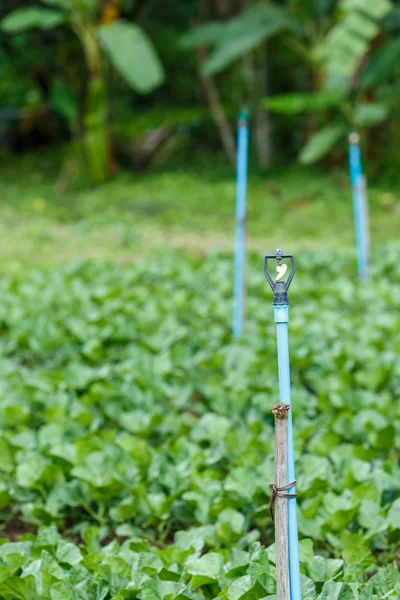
(278, 286)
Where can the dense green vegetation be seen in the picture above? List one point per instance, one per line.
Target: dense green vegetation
(138, 438)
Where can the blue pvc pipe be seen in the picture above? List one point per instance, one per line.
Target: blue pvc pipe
(240, 233)
(281, 316)
(359, 206)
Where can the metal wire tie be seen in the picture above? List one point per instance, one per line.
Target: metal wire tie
(277, 492)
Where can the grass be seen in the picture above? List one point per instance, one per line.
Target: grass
(190, 207)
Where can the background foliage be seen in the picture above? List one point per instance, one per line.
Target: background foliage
(335, 61)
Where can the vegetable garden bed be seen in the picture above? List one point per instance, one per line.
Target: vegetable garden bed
(137, 438)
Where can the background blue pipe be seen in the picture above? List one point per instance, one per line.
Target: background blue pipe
(281, 316)
(240, 234)
(359, 206)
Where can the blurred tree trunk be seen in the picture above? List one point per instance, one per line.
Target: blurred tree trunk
(218, 113)
(263, 120)
(217, 109)
(255, 73)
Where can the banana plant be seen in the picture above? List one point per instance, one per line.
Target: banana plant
(112, 41)
(337, 58)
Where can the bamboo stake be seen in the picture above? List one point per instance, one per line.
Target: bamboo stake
(280, 502)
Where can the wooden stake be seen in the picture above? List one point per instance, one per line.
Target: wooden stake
(280, 412)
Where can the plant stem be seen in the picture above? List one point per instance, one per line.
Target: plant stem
(95, 140)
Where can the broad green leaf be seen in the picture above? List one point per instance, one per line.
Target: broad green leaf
(348, 40)
(356, 554)
(233, 48)
(307, 587)
(321, 143)
(20, 588)
(362, 25)
(382, 65)
(385, 581)
(68, 553)
(306, 551)
(367, 593)
(48, 536)
(30, 469)
(394, 515)
(368, 115)
(62, 495)
(6, 459)
(149, 563)
(354, 572)
(5, 573)
(375, 9)
(341, 509)
(133, 55)
(230, 525)
(211, 427)
(205, 570)
(29, 17)
(152, 590)
(321, 569)
(194, 538)
(210, 33)
(22, 548)
(14, 561)
(295, 104)
(369, 516)
(49, 564)
(333, 590)
(245, 32)
(64, 103)
(62, 591)
(244, 589)
(313, 468)
(391, 21)
(243, 482)
(98, 470)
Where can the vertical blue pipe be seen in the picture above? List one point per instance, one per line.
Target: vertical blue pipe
(240, 233)
(359, 206)
(281, 316)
